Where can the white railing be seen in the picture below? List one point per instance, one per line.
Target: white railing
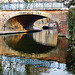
(31, 6)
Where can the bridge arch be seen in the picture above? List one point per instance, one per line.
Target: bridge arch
(25, 18)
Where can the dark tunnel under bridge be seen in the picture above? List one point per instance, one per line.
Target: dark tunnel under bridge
(23, 21)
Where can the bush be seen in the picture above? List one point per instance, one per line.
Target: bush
(71, 23)
(70, 61)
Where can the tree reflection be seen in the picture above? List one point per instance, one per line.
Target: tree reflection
(27, 67)
(1, 71)
(26, 44)
(24, 66)
(70, 60)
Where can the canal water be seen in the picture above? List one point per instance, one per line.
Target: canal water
(38, 53)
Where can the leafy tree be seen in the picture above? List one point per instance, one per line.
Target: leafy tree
(25, 0)
(2, 1)
(67, 3)
(10, 1)
(71, 22)
(71, 46)
(28, 0)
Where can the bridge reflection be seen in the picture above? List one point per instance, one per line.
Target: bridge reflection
(29, 46)
(47, 37)
(16, 62)
(28, 43)
(17, 65)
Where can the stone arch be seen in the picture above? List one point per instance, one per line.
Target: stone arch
(39, 14)
(13, 14)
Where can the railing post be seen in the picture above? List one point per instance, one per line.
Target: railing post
(61, 5)
(32, 5)
(16, 6)
(52, 4)
(43, 5)
(8, 6)
(25, 5)
(35, 5)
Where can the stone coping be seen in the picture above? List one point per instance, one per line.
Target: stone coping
(16, 32)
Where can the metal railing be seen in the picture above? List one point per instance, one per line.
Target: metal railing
(31, 6)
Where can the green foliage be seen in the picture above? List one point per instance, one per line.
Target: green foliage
(71, 23)
(30, 0)
(70, 61)
(67, 3)
(27, 68)
(25, 0)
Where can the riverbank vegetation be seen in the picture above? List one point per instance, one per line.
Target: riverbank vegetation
(71, 23)
(71, 47)
(70, 59)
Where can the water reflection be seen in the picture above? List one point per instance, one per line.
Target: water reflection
(17, 65)
(33, 42)
(51, 62)
(70, 59)
(46, 37)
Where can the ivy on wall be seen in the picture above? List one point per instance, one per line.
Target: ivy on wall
(71, 23)
(70, 61)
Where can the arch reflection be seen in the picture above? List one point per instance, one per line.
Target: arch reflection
(28, 43)
(46, 37)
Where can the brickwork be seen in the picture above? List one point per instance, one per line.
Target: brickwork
(55, 15)
(63, 29)
(61, 18)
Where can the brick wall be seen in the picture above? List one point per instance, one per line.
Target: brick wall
(63, 27)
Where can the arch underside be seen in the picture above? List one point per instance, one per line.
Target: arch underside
(23, 21)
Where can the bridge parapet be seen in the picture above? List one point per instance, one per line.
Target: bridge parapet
(8, 17)
(51, 5)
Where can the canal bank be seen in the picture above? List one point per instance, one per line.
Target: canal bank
(17, 32)
(28, 31)
(10, 32)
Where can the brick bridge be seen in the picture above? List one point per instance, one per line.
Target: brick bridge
(24, 19)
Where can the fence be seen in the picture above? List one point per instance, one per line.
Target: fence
(31, 6)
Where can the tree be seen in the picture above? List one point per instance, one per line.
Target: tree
(2, 1)
(25, 0)
(67, 3)
(28, 0)
(10, 1)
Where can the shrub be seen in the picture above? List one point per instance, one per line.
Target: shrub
(71, 23)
